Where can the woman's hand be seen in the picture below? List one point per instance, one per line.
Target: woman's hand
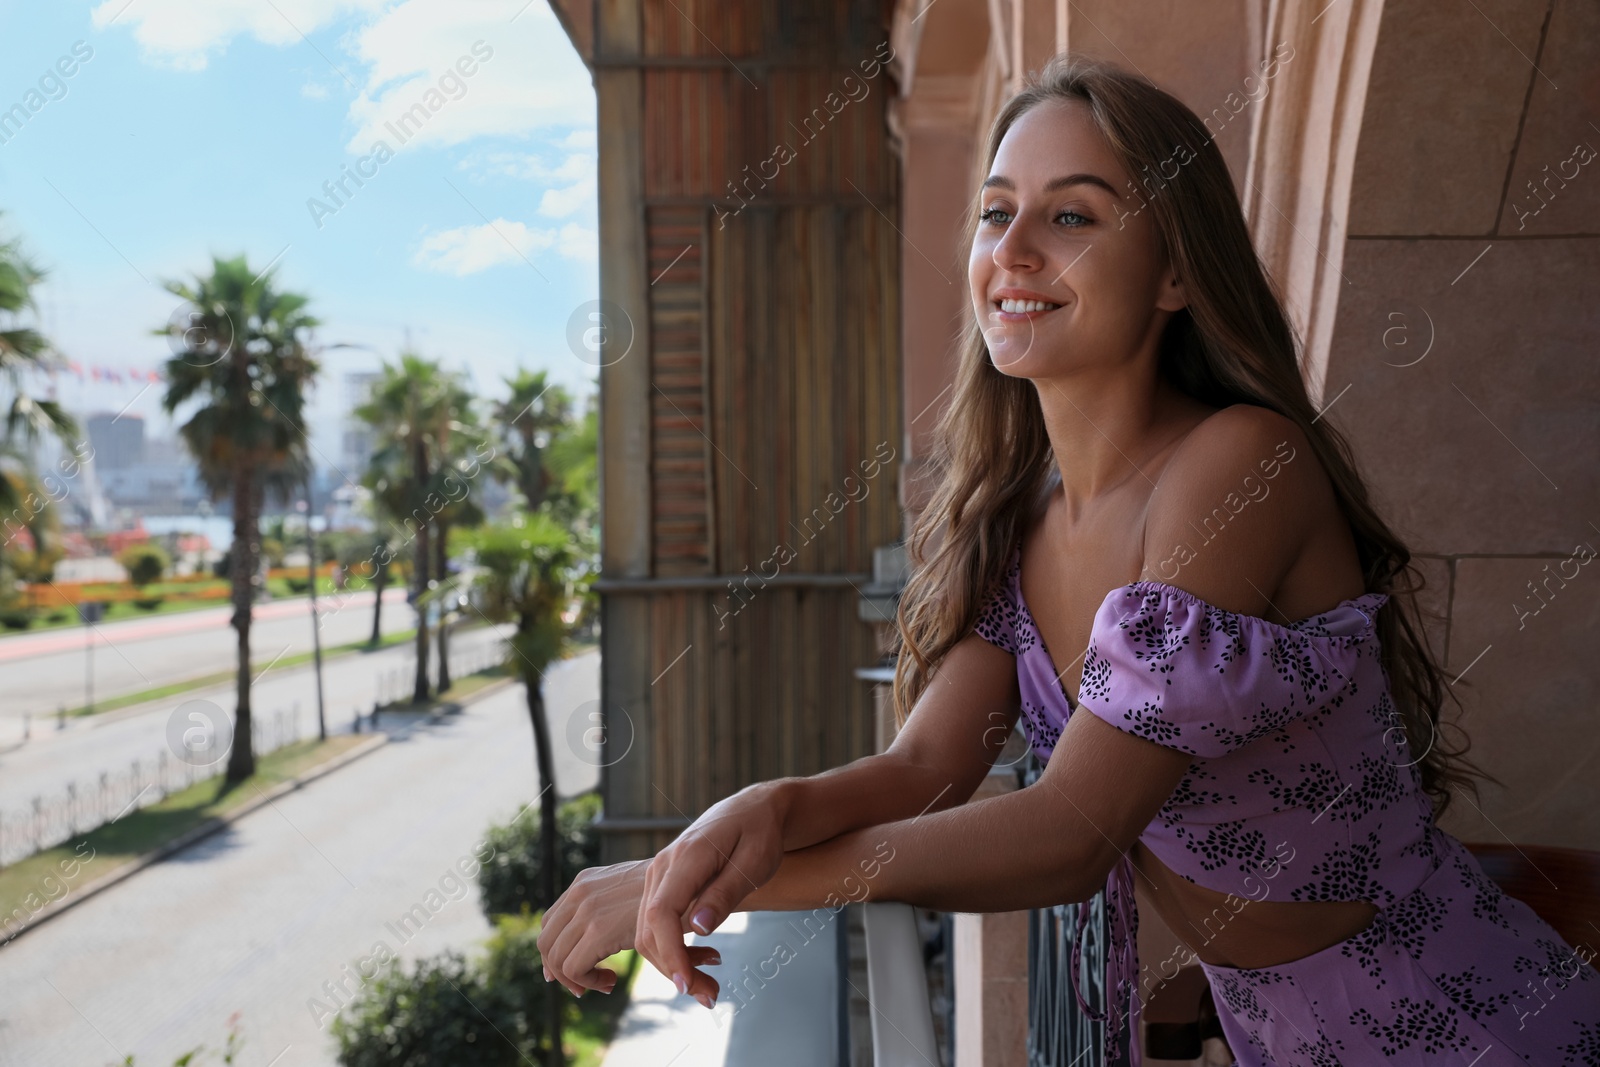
(593, 919)
(729, 852)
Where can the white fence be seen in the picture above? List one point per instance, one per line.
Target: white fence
(84, 806)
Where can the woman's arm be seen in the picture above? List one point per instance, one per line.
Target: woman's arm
(1051, 843)
(950, 741)
(960, 724)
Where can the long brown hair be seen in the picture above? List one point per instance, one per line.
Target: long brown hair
(992, 461)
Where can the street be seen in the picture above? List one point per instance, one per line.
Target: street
(111, 740)
(44, 672)
(259, 916)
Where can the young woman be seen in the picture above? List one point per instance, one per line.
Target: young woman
(1257, 740)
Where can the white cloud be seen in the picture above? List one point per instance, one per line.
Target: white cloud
(470, 249)
(395, 55)
(533, 78)
(579, 243)
(314, 91)
(579, 139)
(526, 167)
(182, 34)
(569, 185)
(558, 203)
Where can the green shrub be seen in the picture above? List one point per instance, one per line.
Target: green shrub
(298, 585)
(273, 551)
(144, 563)
(448, 1010)
(16, 618)
(510, 879)
(149, 603)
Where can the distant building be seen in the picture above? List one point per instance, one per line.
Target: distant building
(118, 440)
(163, 480)
(357, 442)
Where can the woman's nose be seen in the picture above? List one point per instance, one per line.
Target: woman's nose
(1018, 249)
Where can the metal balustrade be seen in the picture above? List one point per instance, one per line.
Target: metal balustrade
(1059, 1034)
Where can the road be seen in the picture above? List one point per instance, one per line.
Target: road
(112, 740)
(257, 918)
(46, 671)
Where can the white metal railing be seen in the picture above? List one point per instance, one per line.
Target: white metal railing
(897, 988)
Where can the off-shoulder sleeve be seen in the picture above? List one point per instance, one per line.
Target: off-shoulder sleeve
(997, 619)
(1167, 666)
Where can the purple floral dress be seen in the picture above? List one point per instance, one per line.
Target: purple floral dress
(1302, 789)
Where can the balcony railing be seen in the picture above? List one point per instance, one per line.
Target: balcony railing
(1059, 1034)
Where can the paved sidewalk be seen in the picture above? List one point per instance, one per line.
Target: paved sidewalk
(264, 916)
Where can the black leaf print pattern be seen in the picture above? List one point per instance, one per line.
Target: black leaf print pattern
(1413, 918)
(1465, 988)
(1347, 874)
(1585, 1050)
(997, 622)
(1433, 1026)
(1036, 725)
(1230, 841)
(1316, 788)
(1487, 898)
(1189, 792)
(1241, 1000)
(1148, 723)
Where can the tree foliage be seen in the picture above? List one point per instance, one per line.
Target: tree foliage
(510, 881)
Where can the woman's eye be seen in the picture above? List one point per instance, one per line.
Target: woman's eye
(996, 216)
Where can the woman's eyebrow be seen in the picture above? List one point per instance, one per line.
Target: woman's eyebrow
(999, 181)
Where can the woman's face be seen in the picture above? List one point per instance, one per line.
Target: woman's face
(1066, 269)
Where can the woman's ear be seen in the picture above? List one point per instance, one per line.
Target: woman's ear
(1172, 296)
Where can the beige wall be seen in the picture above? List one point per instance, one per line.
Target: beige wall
(1466, 336)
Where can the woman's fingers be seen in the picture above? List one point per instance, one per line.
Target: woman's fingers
(594, 918)
(721, 896)
(661, 917)
(702, 986)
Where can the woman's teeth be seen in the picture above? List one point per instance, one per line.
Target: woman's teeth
(1022, 306)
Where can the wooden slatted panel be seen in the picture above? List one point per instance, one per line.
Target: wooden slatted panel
(777, 335)
(798, 716)
(680, 449)
(708, 28)
(803, 357)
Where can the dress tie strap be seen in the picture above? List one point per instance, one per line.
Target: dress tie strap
(1122, 963)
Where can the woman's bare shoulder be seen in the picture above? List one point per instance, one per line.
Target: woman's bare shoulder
(1234, 506)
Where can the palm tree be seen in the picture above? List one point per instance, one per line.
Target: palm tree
(369, 558)
(524, 572)
(412, 408)
(461, 440)
(552, 461)
(244, 358)
(23, 350)
(529, 419)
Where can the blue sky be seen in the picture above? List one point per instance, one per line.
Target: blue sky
(204, 127)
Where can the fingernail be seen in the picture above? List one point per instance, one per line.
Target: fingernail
(702, 920)
(712, 960)
(682, 984)
(705, 1001)
(547, 974)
